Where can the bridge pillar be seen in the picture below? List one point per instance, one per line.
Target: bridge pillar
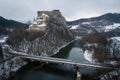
(79, 75)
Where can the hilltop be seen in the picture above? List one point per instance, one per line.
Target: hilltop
(42, 40)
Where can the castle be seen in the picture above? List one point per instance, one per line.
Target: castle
(39, 23)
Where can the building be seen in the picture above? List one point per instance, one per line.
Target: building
(39, 23)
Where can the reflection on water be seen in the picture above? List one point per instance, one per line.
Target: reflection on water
(73, 51)
(46, 72)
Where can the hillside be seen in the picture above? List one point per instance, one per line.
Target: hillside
(111, 17)
(42, 42)
(108, 24)
(6, 24)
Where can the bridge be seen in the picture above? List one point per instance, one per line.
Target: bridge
(58, 61)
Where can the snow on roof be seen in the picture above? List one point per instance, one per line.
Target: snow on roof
(43, 14)
(43, 24)
(34, 22)
(30, 25)
(39, 20)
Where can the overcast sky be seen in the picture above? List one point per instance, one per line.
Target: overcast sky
(22, 10)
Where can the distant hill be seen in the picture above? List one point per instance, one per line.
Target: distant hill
(5, 24)
(10, 23)
(111, 17)
(109, 24)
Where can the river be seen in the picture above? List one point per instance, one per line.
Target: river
(37, 71)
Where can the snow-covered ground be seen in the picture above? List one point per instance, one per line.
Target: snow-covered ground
(74, 27)
(116, 38)
(3, 39)
(88, 55)
(107, 28)
(86, 22)
(12, 64)
(113, 63)
(91, 44)
(111, 27)
(113, 75)
(115, 46)
(99, 28)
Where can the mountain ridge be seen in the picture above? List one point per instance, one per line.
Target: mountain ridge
(9, 23)
(6, 25)
(115, 17)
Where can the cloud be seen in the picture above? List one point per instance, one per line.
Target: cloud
(71, 9)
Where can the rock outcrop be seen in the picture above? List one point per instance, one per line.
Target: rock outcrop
(51, 39)
(35, 42)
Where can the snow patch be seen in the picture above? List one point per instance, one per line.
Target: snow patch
(117, 38)
(3, 39)
(43, 14)
(112, 62)
(91, 44)
(111, 27)
(34, 22)
(86, 23)
(74, 27)
(88, 55)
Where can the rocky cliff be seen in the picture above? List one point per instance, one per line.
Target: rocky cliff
(46, 42)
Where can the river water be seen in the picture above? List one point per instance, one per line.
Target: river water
(74, 51)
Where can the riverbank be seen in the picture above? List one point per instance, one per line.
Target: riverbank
(63, 47)
(9, 64)
(16, 63)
